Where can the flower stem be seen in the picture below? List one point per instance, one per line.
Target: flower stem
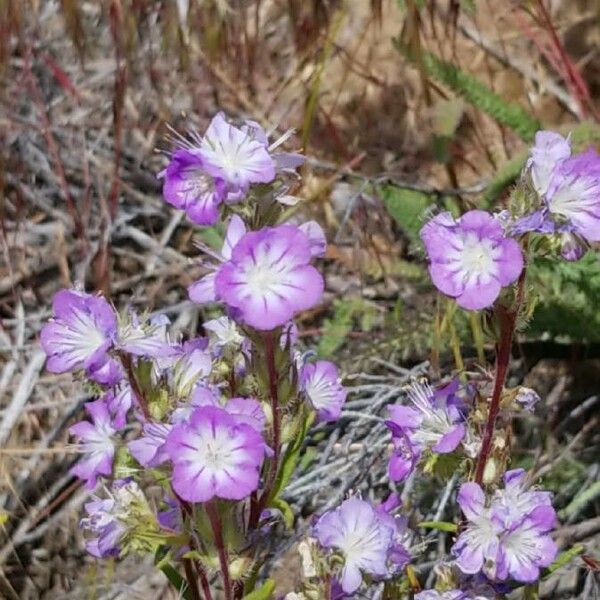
(133, 383)
(256, 507)
(215, 522)
(508, 321)
(191, 578)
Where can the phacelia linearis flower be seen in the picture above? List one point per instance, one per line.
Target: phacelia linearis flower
(470, 258)
(509, 538)
(82, 330)
(321, 384)
(96, 442)
(269, 277)
(363, 538)
(214, 456)
(431, 422)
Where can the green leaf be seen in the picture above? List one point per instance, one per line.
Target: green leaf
(580, 501)
(439, 525)
(286, 511)
(473, 91)
(407, 207)
(563, 559)
(162, 561)
(264, 592)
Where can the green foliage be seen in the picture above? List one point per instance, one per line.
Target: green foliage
(264, 592)
(580, 501)
(563, 559)
(439, 526)
(475, 92)
(346, 311)
(407, 207)
(568, 296)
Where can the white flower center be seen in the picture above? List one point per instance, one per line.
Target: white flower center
(197, 183)
(217, 453)
(85, 338)
(260, 278)
(478, 256)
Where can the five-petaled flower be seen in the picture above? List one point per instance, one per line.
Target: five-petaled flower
(321, 384)
(470, 258)
(269, 277)
(214, 455)
(79, 335)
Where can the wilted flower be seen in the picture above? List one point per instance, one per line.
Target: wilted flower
(527, 398)
(214, 455)
(108, 520)
(96, 442)
(321, 384)
(470, 258)
(432, 422)
(79, 335)
(362, 537)
(224, 333)
(269, 277)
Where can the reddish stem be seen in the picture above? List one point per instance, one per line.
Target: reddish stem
(191, 578)
(126, 361)
(508, 320)
(215, 522)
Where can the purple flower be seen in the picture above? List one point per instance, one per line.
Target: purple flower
(248, 411)
(316, 238)
(193, 364)
(433, 422)
(119, 402)
(105, 370)
(80, 333)
(149, 448)
(574, 194)
(569, 189)
(435, 595)
(189, 187)
(362, 537)
(471, 259)
(269, 277)
(203, 290)
(96, 442)
(399, 555)
(107, 519)
(510, 537)
(527, 398)
(237, 155)
(214, 455)
(321, 384)
(549, 150)
(224, 333)
(102, 523)
(147, 339)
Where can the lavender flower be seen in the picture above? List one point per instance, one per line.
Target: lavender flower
(96, 442)
(224, 333)
(147, 338)
(569, 190)
(471, 259)
(149, 448)
(269, 278)
(510, 537)
(321, 384)
(203, 290)
(108, 519)
(527, 398)
(189, 187)
(363, 538)
(214, 455)
(433, 423)
(79, 335)
(119, 401)
(236, 155)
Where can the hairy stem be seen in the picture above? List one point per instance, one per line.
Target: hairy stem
(215, 522)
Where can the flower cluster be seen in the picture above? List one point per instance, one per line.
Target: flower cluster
(219, 167)
(216, 423)
(509, 538)
(568, 188)
(207, 419)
